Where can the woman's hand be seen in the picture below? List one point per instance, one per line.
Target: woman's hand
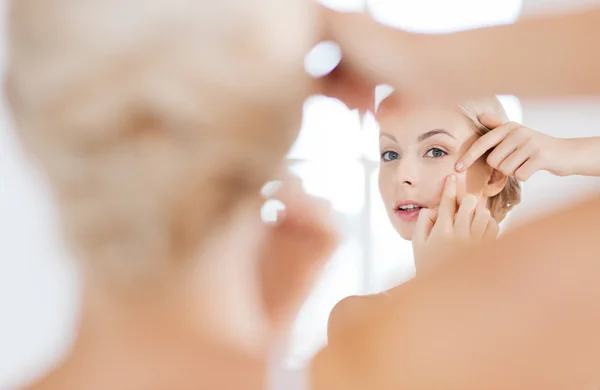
(373, 54)
(517, 150)
(299, 244)
(452, 227)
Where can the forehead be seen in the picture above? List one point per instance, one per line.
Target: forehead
(409, 123)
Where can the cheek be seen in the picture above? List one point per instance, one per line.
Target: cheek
(435, 178)
(385, 184)
(406, 230)
(477, 177)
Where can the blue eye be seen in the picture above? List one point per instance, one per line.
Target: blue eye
(389, 156)
(435, 153)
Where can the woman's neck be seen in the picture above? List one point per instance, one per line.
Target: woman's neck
(193, 331)
(139, 345)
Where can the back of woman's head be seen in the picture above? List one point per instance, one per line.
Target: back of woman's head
(154, 120)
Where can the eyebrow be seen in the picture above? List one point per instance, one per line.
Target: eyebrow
(422, 137)
(431, 133)
(381, 135)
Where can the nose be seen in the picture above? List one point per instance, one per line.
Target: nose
(406, 172)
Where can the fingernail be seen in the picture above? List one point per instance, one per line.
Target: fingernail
(460, 165)
(279, 214)
(271, 188)
(322, 59)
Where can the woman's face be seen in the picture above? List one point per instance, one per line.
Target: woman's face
(419, 149)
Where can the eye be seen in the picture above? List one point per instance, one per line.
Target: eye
(435, 153)
(389, 156)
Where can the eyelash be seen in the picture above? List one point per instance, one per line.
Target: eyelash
(444, 153)
(388, 152)
(383, 158)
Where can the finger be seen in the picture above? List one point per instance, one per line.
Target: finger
(464, 217)
(513, 162)
(490, 121)
(504, 150)
(425, 222)
(348, 86)
(281, 176)
(461, 186)
(480, 222)
(447, 209)
(294, 252)
(491, 231)
(482, 145)
(277, 190)
(525, 171)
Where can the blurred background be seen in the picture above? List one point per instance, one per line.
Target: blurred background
(337, 158)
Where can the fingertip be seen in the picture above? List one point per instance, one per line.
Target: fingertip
(461, 183)
(489, 120)
(450, 186)
(460, 166)
(472, 199)
(454, 179)
(427, 213)
(485, 117)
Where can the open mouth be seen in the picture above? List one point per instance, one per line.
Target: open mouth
(409, 207)
(409, 211)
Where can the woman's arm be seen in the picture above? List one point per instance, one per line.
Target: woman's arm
(584, 156)
(521, 313)
(548, 56)
(536, 57)
(516, 150)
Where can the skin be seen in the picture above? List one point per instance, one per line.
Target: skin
(119, 331)
(438, 234)
(519, 319)
(220, 290)
(419, 148)
(159, 340)
(496, 335)
(426, 69)
(520, 151)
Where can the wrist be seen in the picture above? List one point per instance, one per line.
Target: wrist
(568, 150)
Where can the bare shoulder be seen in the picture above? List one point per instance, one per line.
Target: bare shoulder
(350, 312)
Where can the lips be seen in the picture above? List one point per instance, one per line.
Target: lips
(408, 210)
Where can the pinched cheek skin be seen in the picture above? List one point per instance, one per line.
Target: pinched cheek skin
(477, 177)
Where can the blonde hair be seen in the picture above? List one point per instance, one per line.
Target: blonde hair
(154, 120)
(510, 196)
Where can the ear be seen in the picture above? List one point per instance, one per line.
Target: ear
(495, 184)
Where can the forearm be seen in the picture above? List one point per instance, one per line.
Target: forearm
(543, 57)
(520, 314)
(583, 156)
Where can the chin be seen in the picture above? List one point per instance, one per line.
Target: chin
(405, 231)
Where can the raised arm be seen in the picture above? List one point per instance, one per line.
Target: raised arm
(516, 150)
(550, 56)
